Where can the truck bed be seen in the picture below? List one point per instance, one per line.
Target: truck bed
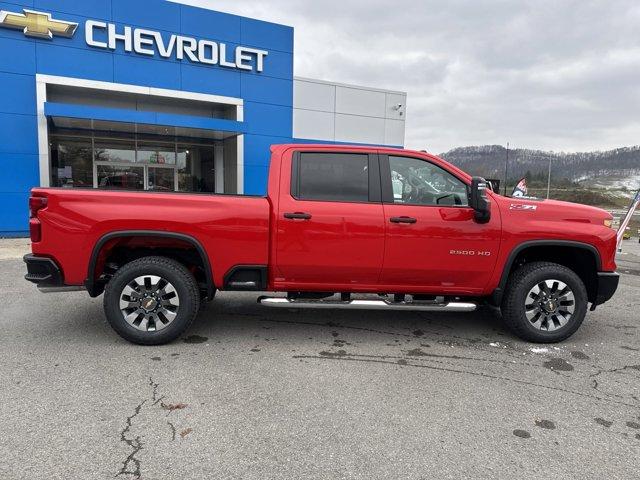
(232, 229)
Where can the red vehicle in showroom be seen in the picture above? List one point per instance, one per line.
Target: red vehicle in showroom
(340, 227)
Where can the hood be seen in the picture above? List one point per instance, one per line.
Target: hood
(556, 210)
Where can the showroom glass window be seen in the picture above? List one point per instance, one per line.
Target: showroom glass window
(418, 182)
(338, 177)
(114, 159)
(160, 158)
(128, 161)
(195, 168)
(71, 163)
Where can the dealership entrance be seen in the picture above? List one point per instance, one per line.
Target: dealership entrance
(117, 159)
(131, 138)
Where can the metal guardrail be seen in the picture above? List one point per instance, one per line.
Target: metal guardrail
(622, 213)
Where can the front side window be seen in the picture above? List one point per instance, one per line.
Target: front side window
(418, 182)
(338, 177)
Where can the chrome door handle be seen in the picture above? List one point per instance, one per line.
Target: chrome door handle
(298, 216)
(403, 220)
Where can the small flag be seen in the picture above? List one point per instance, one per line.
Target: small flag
(627, 218)
(521, 189)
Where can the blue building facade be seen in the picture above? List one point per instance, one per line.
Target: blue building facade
(100, 93)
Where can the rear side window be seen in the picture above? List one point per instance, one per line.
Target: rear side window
(338, 177)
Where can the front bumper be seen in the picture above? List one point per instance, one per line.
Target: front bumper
(607, 286)
(43, 271)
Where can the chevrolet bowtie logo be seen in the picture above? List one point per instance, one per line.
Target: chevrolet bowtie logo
(37, 24)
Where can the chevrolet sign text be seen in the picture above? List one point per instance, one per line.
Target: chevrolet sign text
(141, 41)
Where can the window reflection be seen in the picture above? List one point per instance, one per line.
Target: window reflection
(127, 163)
(71, 163)
(115, 151)
(196, 169)
(160, 154)
(120, 177)
(419, 182)
(161, 179)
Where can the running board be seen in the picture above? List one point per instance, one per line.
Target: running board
(280, 302)
(61, 289)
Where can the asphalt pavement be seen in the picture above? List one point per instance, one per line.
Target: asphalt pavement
(252, 393)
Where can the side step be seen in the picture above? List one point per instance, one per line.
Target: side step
(61, 289)
(280, 302)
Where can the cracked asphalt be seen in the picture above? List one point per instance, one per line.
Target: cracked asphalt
(253, 393)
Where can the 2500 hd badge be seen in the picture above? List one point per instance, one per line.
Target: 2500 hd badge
(470, 253)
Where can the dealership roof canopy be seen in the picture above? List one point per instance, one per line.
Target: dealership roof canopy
(132, 121)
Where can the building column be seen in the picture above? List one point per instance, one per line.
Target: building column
(218, 167)
(43, 135)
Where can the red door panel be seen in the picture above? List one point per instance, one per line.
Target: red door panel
(445, 249)
(323, 244)
(340, 244)
(433, 243)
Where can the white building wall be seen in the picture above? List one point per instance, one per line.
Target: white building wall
(347, 113)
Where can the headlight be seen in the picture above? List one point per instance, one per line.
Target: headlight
(608, 223)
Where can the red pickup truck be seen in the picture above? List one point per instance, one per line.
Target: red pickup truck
(340, 227)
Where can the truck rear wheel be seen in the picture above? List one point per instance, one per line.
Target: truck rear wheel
(544, 302)
(151, 300)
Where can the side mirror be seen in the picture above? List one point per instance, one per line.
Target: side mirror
(478, 200)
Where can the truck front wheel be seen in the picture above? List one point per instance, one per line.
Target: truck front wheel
(544, 302)
(151, 300)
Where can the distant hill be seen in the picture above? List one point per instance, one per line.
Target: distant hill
(618, 169)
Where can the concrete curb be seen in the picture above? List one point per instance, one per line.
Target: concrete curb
(12, 248)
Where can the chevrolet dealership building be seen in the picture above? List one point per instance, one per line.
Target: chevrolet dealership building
(154, 95)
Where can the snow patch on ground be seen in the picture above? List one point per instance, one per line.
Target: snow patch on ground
(539, 350)
(614, 182)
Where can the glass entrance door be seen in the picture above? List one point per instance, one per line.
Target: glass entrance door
(161, 179)
(118, 176)
(135, 177)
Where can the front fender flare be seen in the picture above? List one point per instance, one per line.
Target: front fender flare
(498, 293)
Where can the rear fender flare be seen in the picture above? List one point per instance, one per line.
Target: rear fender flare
(90, 283)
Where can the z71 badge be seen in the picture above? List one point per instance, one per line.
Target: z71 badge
(523, 207)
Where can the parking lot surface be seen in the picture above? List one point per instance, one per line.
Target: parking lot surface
(254, 393)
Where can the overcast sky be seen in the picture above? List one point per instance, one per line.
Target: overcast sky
(559, 75)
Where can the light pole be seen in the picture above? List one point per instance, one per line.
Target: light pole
(506, 170)
(549, 179)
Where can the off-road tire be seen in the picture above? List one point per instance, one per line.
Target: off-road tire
(518, 288)
(180, 278)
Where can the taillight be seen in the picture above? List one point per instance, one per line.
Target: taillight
(35, 232)
(35, 205)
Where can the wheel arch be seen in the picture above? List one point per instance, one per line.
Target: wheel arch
(564, 252)
(95, 288)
